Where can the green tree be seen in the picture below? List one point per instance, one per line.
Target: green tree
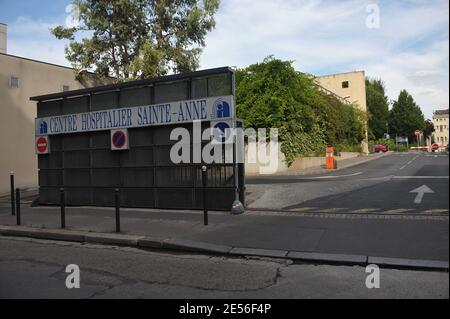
(429, 128)
(131, 39)
(377, 107)
(406, 116)
(273, 94)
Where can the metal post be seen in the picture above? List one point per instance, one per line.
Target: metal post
(205, 209)
(13, 207)
(18, 205)
(117, 210)
(63, 208)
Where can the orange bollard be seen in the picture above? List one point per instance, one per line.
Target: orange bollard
(329, 159)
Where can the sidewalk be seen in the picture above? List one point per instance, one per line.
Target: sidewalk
(394, 240)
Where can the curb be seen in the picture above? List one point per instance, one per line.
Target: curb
(214, 249)
(412, 263)
(333, 258)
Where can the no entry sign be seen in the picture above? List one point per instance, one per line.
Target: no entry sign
(434, 147)
(119, 139)
(42, 145)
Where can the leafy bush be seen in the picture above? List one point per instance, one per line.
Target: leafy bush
(273, 94)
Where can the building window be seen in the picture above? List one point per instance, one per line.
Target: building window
(14, 82)
(345, 85)
(66, 88)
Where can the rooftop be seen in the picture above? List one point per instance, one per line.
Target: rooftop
(441, 112)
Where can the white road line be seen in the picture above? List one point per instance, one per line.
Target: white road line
(420, 177)
(401, 168)
(335, 176)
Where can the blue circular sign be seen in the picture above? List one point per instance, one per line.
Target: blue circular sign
(119, 139)
(220, 133)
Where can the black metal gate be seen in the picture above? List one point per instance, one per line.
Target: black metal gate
(89, 171)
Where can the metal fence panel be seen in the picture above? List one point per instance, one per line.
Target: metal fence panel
(104, 101)
(89, 171)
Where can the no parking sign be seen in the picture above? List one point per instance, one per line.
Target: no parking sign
(119, 139)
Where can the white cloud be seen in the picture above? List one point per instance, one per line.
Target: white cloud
(32, 39)
(409, 50)
(73, 17)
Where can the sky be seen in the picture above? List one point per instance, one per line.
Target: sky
(403, 42)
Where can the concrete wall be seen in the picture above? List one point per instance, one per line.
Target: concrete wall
(17, 114)
(301, 163)
(355, 93)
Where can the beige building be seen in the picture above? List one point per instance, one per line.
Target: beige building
(440, 121)
(3, 42)
(348, 87)
(21, 78)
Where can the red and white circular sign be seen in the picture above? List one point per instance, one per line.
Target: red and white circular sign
(434, 147)
(42, 145)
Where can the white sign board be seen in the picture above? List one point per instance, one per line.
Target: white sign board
(203, 109)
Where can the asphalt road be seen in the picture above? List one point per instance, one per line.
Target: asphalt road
(382, 185)
(36, 269)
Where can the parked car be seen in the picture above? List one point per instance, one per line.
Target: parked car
(380, 148)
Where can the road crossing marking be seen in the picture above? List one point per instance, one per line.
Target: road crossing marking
(435, 211)
(420, 177)
(362, 211)
(331, 210)
(301, 209)
(375, 213)
(399, 211)
(365, 210)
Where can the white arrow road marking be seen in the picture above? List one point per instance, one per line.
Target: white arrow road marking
(422, 190)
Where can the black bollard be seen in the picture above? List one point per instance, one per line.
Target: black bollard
(18, 206)
(205, 209)
(63, 208)
(13, 207)
(117, 194)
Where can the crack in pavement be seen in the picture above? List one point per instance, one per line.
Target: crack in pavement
(129, 280)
